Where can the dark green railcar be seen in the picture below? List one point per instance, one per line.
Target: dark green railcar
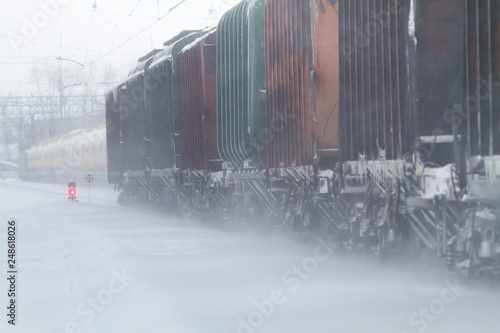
(241, 110)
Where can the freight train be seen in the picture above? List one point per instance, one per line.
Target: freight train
(375, 121)
(67, 157)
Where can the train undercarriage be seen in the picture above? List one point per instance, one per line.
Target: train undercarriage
(387, 208)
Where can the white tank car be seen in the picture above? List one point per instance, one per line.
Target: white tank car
(67, 157)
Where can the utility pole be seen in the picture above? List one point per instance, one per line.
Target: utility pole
(5, 134)
(59, 87)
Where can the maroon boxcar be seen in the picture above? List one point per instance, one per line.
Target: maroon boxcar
(196, 79)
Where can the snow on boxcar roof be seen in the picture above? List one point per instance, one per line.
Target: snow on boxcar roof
(179, 36)
(169, 45)
(197, 40)
(142, 63)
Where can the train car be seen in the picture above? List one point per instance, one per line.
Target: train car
(398, 82)
(475, 247)
(418, 126)
(302, 108)
(67, 157)
(478, 117)
(196, 81)
(144, 124)
(375, 121)
(277, 94)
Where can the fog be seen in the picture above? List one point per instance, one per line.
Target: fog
(90, 35)
(103, 268)
(92, 266)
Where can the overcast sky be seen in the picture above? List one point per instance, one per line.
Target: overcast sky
(117, 31)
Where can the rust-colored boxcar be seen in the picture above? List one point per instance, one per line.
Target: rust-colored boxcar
(302, 82)
(196, 81)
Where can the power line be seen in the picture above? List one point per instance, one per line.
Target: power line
(130, 14)
(16, 63)
(27, 74)
(46, 45)
(51, 56)
(85, 34)
(113, 13)
(137, 34)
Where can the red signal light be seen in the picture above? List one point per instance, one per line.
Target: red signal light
(72, 192)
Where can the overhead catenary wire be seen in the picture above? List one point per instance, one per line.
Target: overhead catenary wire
(114, 13)
(105, 45)
(127, 16)
(137, 34)
(116, 47)
(84, 35)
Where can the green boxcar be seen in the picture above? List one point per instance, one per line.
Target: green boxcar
(161, 98)
(241, 109)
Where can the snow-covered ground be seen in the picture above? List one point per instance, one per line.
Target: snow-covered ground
(103, 268)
